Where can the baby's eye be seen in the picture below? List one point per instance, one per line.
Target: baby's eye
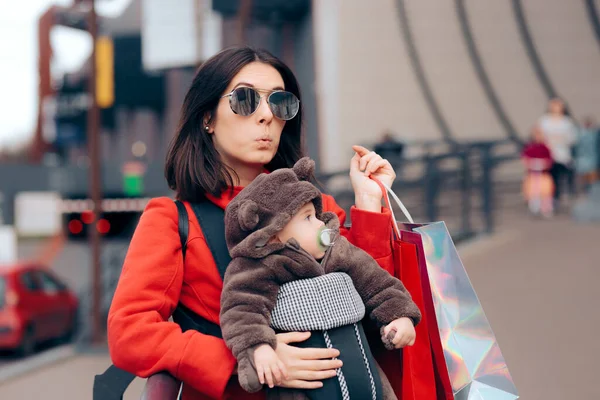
(308, 217)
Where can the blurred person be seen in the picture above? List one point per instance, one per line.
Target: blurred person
(586, 155)
(229, 133)
(538, 186)
(284, 249)
(390, 148)
(560, 133)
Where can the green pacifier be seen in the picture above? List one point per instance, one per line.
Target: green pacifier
(326, 238)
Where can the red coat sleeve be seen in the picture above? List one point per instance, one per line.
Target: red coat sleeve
(141, 339)
(369, 231)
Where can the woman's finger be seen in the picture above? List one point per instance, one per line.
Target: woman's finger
(375, 165)
(354, 163)
(277, 375)
(283, 369)
(362, 151)
(317, 354)
(366, 159)
(307, 374)
(292, 337)
(301, 384)
(319, 365)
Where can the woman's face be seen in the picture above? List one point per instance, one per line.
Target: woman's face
(250, 141)
(556, 107)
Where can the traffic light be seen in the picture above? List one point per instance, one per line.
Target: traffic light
(105, 75)
(118, 220)
(110, 225)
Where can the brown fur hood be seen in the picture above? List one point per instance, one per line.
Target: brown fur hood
(266, 205)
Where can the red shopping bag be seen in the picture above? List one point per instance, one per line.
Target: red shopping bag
(415, 362)
(442, 379)
(424, 372)
(418, 378)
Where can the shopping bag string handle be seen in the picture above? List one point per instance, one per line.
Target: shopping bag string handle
(387, 190)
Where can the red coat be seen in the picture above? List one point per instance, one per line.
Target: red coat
(154, 280)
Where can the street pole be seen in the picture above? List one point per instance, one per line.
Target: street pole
(244, 15)
(95, 180)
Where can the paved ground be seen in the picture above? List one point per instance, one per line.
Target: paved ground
(12, 366)
(537, 281)
(70, 379)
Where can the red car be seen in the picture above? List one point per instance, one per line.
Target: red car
(35, 306)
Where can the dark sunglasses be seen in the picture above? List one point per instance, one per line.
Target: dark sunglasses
(245, 101)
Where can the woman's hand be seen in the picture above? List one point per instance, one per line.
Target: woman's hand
(306, 368)
(363, 165)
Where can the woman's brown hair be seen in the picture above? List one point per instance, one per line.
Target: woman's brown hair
(193, 166)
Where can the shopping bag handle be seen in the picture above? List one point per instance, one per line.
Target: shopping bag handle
(387, 190)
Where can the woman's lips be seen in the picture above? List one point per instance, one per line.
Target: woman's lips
(264, 142)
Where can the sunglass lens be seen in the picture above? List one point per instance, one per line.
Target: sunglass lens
(244, 101)
(285, 105)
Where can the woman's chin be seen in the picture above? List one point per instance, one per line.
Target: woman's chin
(262, 157)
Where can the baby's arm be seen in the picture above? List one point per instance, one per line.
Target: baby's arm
(249, 295)
(385, 297)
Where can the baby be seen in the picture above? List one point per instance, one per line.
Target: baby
(292, 271)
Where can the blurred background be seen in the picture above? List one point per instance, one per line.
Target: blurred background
(448, 91)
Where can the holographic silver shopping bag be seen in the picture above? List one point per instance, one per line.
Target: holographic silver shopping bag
(476, 367)
(460, 334)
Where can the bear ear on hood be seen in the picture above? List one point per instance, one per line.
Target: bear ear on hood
(304, 168)
(248, 215)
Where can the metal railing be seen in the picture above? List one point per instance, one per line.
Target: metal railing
(456, 185)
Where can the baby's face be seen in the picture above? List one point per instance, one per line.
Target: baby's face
(304, 227)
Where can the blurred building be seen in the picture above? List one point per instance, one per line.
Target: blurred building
(429, 72)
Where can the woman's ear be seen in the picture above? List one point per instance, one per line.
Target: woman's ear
(248, 215)
(207, 123)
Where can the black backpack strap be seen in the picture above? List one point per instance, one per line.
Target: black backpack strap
(111, 385)
(211, 218)
(183, 225)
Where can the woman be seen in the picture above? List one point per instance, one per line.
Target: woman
(560, 133)
(240, 117)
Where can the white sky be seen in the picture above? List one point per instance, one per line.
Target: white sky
(18, 60)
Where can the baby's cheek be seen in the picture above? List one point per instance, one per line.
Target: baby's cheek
(312, 247)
